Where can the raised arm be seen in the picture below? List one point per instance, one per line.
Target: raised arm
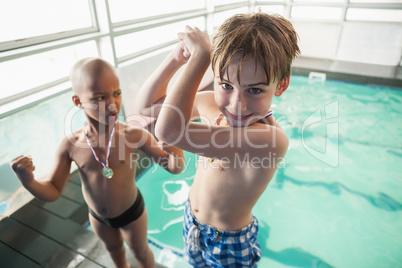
(50, 187)
(153, 91)
(221, 142)
(178, 106)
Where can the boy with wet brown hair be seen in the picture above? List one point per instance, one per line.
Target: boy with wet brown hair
(239, 142)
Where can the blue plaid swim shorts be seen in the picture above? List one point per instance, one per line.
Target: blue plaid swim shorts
(208, 246)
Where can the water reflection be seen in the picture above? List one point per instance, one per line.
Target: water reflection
(294, 256)
(383, 201)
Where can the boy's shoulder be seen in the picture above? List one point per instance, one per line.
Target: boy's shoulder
(277, 140)
(72, 140)
(266, 138)
(205, 95)
(68, 145)
(204, 103)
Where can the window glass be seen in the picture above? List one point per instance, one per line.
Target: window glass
(138, 41)
(326, 13)
(26, 18)
(123, 10)
(220, 17)
(278, 9)
(370, 42)
(376, 1)
(29, 72)
(318, 40)
(225, 2)
(366, 14)
(321, 1)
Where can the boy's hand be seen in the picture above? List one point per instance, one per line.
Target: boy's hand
(23, 168)
(180, 53)
(176, 161)
(194, 39)
(165, 147)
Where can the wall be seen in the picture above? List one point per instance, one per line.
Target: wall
(35, 131)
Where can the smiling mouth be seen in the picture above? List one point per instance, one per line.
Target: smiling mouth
(239, 117)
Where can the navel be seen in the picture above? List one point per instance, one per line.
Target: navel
(104, 210)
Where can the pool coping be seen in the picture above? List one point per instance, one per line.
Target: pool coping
(353, 72)
(50, 234)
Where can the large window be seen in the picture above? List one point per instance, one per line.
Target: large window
(35, 72)
(363, 31)
(40, 40)
(25, 22)
(123, 10)
(149, 39)
(373, 14)
(322, 13)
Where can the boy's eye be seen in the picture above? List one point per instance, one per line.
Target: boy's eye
(255, 90)
(226, 86)
(117, 93)
(99, 98)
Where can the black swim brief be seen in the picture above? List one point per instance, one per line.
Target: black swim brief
(130, 215)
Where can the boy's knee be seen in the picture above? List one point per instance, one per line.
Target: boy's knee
(114, 247)
(141, 254)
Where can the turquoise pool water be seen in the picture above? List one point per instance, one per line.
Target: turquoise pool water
(336, 200)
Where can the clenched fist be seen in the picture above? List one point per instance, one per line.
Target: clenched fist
(23, 168)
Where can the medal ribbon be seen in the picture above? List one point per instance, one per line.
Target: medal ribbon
(109, 146)
(268, 114)
(217, 119)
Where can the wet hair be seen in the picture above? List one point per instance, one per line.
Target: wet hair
(269, 38)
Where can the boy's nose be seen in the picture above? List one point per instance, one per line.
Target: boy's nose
(237, 103)
(112, 107)
(110, 104)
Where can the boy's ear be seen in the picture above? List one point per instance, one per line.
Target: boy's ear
(282, 86)
(77, 101)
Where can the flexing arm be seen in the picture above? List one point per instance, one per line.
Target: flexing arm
(178, 106)
(153, 91)
(221, 142)
(46, 190)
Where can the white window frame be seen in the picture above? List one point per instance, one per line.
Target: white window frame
(104, 32)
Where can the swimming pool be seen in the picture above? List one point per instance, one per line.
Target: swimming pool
(336, 200)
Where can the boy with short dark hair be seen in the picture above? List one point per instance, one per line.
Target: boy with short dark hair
(102, 151)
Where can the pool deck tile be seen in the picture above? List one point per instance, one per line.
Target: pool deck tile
(52, 234)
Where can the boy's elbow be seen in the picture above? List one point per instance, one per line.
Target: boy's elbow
(160, 133)
(53, 194)
(48, 197)
(165, 134)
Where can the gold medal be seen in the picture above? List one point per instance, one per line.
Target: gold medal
(107, 172)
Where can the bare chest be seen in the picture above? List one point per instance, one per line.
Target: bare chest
(121, 159)
(234, 177)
